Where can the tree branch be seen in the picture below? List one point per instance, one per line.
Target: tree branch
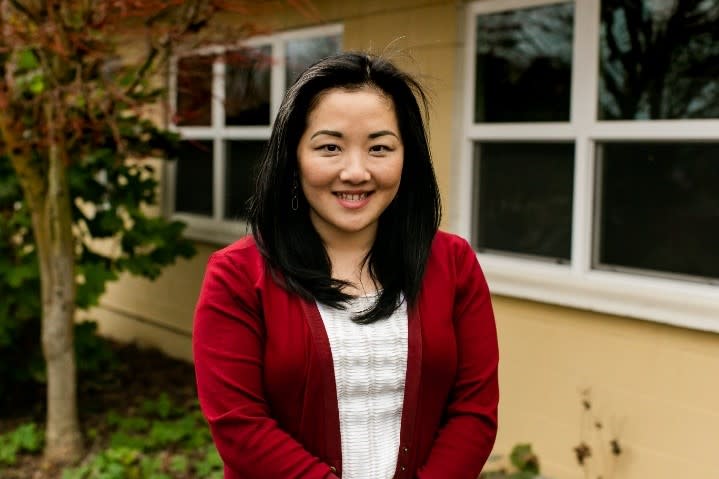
(25, 11)
(142, 71)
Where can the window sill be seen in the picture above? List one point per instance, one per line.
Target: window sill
(208, 230)
(667, 301)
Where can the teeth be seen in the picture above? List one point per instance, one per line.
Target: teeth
(352, 197)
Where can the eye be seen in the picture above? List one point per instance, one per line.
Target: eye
(380, 149)
(329, 148)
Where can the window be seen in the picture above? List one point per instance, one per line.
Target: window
(224, 100)
(658, 208)
(525, 198)
(590, 168)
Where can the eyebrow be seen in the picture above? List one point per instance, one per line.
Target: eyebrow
(337, 134)
(327, 132)
(377, 134)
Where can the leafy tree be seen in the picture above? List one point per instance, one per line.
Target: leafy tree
(75, 126)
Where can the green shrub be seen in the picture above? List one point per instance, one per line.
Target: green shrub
(524, 465)
(110, 197)
(24, 439)
(163, 441)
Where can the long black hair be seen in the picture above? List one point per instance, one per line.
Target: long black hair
(286, 237)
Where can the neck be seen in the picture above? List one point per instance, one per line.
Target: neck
(347, 253)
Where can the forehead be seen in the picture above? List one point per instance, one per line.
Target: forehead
(350, 100)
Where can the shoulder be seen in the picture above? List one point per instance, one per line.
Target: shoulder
(451, 257)
(447, 244)
(244, 248)
(241, 258)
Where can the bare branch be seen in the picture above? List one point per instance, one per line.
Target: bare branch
(25, 11)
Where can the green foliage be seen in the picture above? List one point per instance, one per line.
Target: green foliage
(113, 463)
(24, 439)
(24, 366)
(161, 407)
(524, 459)
(179, 463)
(210, 465)
(114, 233)
(93, 351)
(164, 441)
(176, 446)
(105, 143)
(19, 287)
(524, 465)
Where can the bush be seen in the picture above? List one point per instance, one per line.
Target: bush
(110, 199)
(164, 441)
(524, 465)
(25, 439)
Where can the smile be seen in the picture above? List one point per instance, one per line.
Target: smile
(353, 200)
(352, 196)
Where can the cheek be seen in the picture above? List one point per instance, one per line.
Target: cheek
(392, 174)
(313, 175)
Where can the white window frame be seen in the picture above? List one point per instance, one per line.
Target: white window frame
(217, 229)
(666, 300)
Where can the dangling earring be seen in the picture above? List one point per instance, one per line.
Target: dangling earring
(295, 199)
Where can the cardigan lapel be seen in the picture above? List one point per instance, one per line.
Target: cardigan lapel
(333, 440)
(411, 392)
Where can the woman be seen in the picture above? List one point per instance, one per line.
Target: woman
(348, 337)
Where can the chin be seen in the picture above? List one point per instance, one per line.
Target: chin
(353, 228)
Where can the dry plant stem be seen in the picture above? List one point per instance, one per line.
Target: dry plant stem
(588, 461)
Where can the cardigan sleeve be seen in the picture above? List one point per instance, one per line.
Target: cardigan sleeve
(465, 441)
(228, 349)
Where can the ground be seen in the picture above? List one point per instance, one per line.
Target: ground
(138, 375)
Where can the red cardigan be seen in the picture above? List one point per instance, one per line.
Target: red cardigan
(266, 382)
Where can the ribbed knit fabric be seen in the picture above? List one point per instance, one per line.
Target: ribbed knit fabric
(370, 362)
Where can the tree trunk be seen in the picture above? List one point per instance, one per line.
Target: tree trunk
(56, 252)
(52, 224)
(46, 189)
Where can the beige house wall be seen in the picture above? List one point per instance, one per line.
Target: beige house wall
(654, 386)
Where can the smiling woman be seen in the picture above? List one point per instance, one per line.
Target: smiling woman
(350, 165)
(348, 337)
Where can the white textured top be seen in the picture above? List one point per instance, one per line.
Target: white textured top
(370, 362)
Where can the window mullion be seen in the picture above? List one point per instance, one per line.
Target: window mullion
(585, 61)
(583, 115)
(218, 123)
(462, 215)
(582, 213)
(168, 183)
(277, 77)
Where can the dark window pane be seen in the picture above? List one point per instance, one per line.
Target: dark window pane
(193, 187)
(243, 158)
(524, 65)
(194, 91)
(659, 207)
(525, 198)
(304, 52)
(247, 87)
(659, 60)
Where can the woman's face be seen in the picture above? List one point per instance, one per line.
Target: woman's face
(350, 162)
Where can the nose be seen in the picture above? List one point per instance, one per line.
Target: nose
(354, 170)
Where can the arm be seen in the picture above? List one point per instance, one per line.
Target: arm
(466, 439)
(228, 348)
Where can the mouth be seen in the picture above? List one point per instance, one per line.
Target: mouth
(352, 195)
